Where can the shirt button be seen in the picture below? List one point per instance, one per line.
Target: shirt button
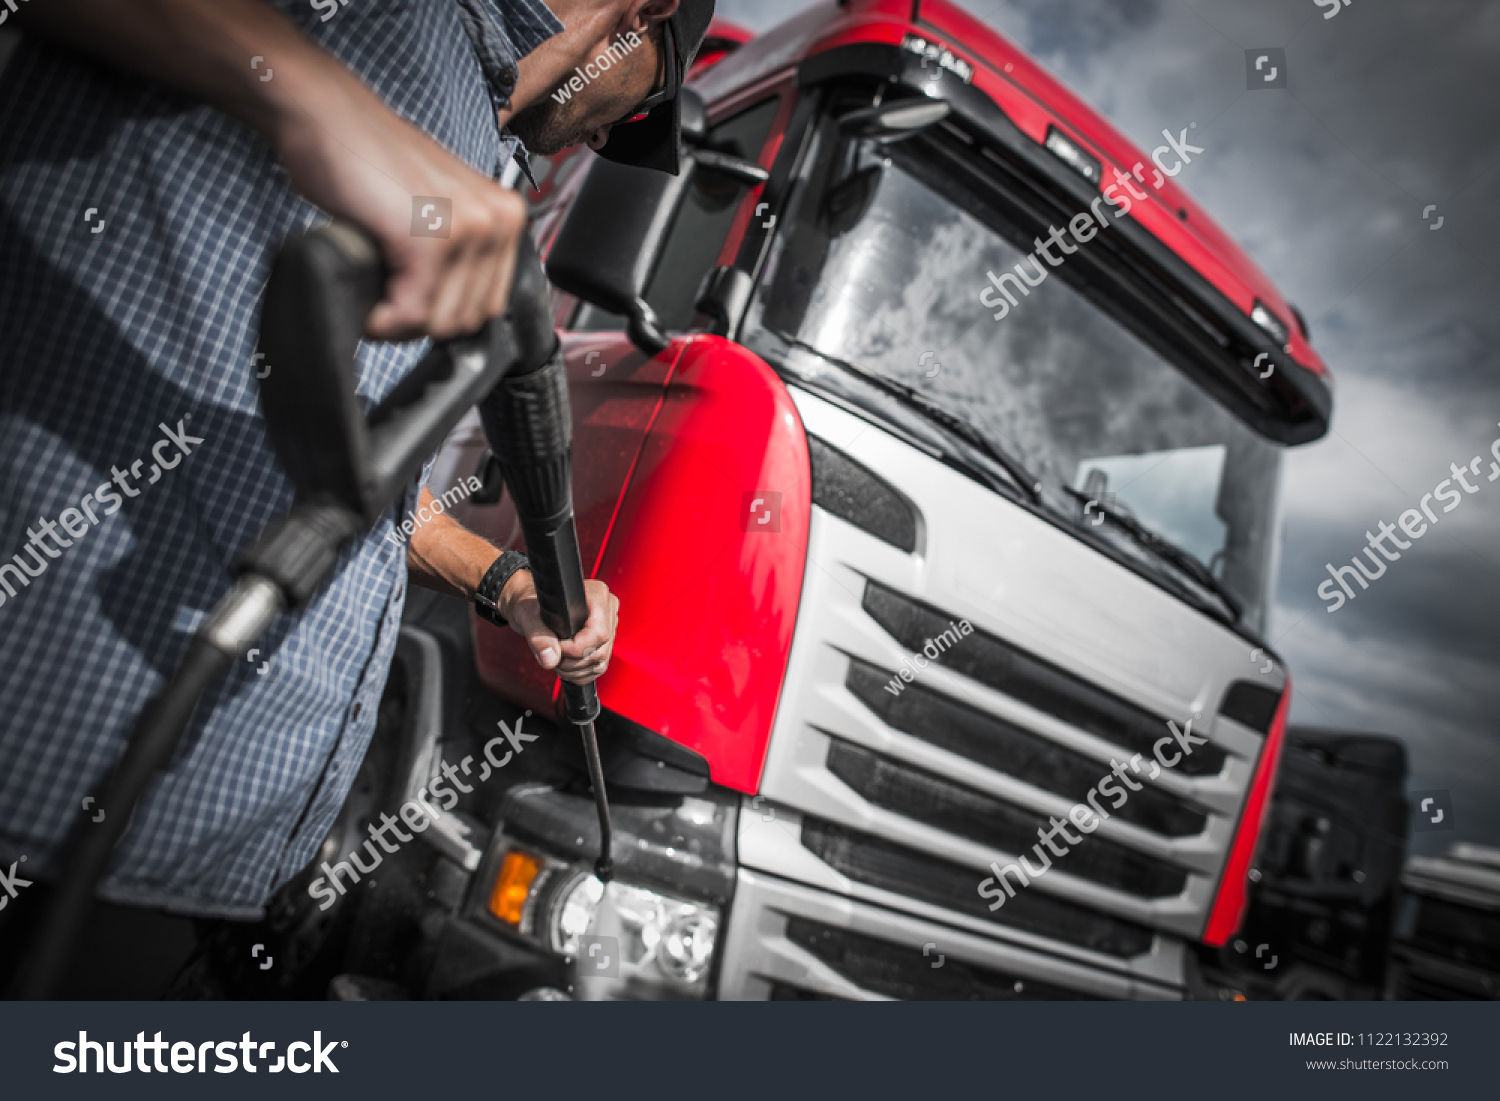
(357, 708)
(508, 75)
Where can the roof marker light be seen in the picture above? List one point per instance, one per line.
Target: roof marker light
(1270, 323)
(1067, 151)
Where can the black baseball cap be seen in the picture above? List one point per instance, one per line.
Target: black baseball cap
(653, 137)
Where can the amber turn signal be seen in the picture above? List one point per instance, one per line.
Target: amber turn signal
(517, 873)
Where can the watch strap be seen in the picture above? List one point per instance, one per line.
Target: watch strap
(487, 596)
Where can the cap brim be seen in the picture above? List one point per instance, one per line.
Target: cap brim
(656, 141)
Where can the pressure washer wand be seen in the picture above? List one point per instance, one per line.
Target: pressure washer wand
(530, 431)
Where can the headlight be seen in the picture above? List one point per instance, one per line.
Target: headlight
(573, 913)
(687, 946)
(624, 940)
(632, 941)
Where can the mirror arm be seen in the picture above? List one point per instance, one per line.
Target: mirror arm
(643, 328)
(723, 297)
(736, 168)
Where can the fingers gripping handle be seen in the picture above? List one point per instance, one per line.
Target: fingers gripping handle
(323, 285)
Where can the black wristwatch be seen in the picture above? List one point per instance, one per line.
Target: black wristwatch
(487, 596)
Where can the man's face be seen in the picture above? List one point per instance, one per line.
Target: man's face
(617, 77)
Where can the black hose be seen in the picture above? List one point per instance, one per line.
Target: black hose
(86, 852)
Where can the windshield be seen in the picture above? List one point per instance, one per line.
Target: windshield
(883, 269)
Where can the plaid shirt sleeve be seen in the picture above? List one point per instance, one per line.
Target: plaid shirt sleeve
(137, 229)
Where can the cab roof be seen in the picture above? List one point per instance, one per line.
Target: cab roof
(908, 41)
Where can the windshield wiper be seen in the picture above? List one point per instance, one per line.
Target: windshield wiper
(945, 418)
(1164, 549)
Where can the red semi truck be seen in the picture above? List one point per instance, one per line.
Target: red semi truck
(930, 435)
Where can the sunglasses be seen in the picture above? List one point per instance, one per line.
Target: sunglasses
(671, 81)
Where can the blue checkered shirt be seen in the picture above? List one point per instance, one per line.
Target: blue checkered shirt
(137, 229)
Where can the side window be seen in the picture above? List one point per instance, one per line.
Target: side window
(702, 224)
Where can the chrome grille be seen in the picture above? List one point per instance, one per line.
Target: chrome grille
(888, 809)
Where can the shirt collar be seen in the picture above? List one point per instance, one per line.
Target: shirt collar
(526, 23)
(503, 32)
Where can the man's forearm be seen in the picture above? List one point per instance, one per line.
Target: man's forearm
(446, 556)
(203, 48)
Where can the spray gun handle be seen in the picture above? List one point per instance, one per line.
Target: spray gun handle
(323, 285)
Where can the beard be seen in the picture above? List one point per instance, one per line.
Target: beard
(547, 127)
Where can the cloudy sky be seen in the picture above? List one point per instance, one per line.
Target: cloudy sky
(1389, 108)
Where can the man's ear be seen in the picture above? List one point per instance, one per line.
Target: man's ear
(641, 15)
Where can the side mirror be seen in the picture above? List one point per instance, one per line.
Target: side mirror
(897, 119)
(612, 239)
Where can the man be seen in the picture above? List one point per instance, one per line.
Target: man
(153, 155)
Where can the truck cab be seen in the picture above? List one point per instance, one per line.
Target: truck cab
(930, 435)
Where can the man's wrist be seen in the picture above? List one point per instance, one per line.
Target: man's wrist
(498, 588)
(519, 584)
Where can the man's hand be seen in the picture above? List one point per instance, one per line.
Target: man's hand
(583, 658)
(358, 160)
(344, 149)
(445, 556)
